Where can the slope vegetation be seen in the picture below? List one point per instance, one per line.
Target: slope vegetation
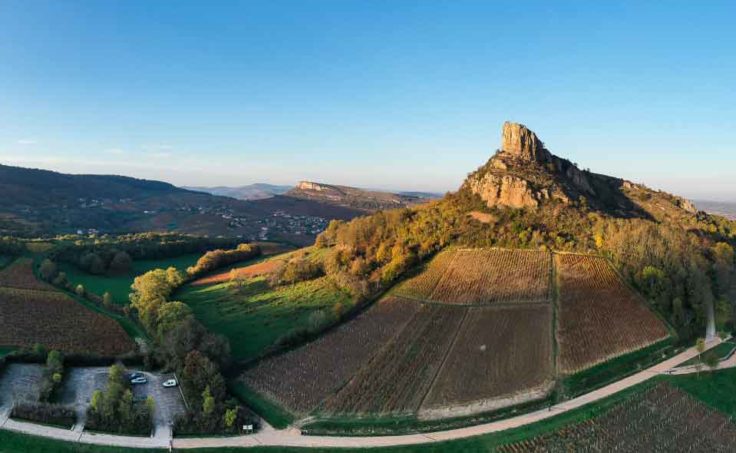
(458, 353)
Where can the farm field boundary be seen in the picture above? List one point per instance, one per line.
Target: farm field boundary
(480, 437)
(447, 397)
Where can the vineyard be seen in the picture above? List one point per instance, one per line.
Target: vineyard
(662, 419)
(473, 332)
(57, 322)
(20, 275)
(421, 286)
(482, 277)
(396, 380)
(599, 316)
(502, 356)
(301, 378)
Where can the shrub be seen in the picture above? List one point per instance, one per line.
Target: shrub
(221, 258)
(52, 414)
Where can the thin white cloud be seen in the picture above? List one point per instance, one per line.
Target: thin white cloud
(161, 154)
(115, 151)
(26, 141)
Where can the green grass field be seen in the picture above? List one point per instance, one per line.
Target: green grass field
(722, 351)
(254, 316)
(716, 389)
(119, 285)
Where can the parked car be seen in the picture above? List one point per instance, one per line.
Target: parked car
(139, 380)
(135, 375)
(170, 383)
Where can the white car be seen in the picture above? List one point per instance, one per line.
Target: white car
(138, 380)
(170, 383)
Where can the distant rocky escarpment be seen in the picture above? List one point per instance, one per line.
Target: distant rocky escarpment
(367, 200)
(524, 173)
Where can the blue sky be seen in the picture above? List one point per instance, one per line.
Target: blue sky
(384, 94)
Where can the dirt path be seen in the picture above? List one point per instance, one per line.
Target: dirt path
(293, 438)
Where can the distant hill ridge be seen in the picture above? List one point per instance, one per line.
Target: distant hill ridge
(258, 191)
(369, 200)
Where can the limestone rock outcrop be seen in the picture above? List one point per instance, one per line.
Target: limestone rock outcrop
(523, 173)
(518, 141)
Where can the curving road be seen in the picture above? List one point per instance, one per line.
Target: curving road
(293, 438)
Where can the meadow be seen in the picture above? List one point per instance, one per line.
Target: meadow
(253, 316)
(119, 285)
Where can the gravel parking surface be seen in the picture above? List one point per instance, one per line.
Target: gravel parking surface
(19, 382)
(78, 387)
(169, 402)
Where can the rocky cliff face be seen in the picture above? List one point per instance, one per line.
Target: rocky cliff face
(524, 173)
(309, 185)
(519, 142)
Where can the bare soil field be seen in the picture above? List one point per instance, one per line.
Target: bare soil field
(254, 270)
(502, 356)
(19, 274)
(663, 419)
(491, 276)
(58, 322)
(599, 316)
(301, 378)
(396, 380)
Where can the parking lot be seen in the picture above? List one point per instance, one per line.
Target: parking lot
(19, 382)
(78, 387)
(169, 402)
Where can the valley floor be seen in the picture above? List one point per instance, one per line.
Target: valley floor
(293, 438)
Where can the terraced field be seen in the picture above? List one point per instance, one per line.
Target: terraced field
(662, 419)
(301, 378)
(502, 356)
(599, 316)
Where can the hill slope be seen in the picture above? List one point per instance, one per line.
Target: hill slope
(681, 259)
(41, 202)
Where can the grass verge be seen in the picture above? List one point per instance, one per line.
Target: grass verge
(616, 369)
(722, 351)
(275, 416)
